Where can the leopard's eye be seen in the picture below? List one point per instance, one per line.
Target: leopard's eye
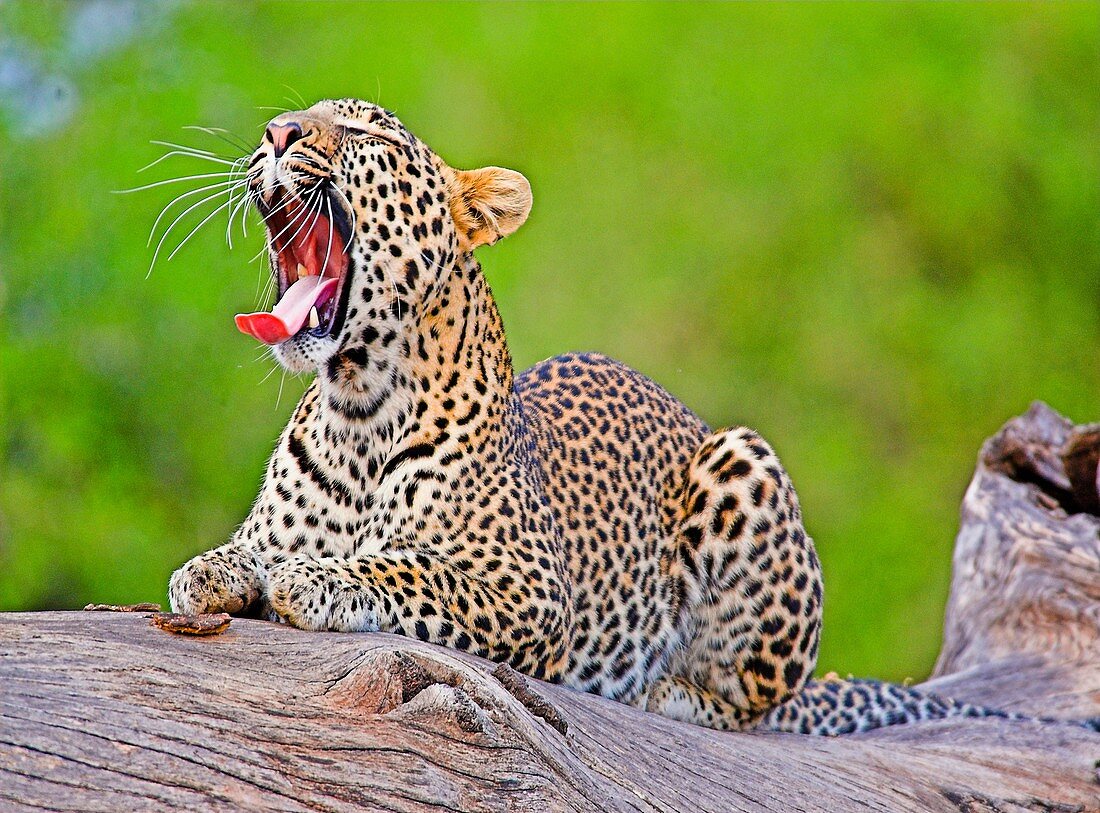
(370, 135)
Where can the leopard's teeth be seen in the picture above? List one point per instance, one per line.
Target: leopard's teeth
(302, 271)
(314, 318)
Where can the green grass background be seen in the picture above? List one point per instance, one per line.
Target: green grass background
(870, 231)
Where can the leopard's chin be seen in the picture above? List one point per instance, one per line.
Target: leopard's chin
(305, 352)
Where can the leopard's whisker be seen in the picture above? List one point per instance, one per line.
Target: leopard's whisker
(296, 214)
(271, 372)
(250, 200)
(229, 138)
(155, 184)
(351, 208)
(211, 158)
(328, 249)
(301, 223)
(301, 102)
(393, 288)
(191, 233)
(265, 279)
(172, 225)
(232, 210)
(315, 196)
(267, 188)
(189, 148)
(299, 216)
(220, 185)
(312, 197)
(279, 398)
(266, 352)
(253, 197)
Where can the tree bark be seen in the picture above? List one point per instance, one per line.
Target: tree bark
(103, 711)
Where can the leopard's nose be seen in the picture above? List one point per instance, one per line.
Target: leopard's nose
(282, 136)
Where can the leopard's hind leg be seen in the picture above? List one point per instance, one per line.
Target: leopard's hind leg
(753, 614)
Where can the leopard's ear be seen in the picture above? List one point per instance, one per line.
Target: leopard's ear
(488, 204)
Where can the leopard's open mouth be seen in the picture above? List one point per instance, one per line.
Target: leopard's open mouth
(310, 240)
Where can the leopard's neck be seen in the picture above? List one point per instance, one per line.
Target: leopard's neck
(435, 376)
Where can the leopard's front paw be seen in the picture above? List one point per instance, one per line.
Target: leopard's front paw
(320, 594)
(218, 581)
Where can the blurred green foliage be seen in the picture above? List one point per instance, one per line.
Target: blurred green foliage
(870, 231)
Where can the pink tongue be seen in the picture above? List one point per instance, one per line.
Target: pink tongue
(290, 313)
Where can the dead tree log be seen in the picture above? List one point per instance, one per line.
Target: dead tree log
(102, 711)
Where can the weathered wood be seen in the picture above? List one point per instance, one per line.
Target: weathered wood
(102, 711)
(1027, 558)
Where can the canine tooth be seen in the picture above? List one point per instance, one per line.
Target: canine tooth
(314, 319)
(302, 271)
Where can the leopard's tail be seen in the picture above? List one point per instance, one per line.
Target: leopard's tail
(831, 707)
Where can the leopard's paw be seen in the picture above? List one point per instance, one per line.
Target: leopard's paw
(218, 581)
(320, 594)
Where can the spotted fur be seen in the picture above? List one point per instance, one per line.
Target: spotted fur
(575, 521)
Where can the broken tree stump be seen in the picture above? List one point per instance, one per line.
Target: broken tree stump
(102, 711)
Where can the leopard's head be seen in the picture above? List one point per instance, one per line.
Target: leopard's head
(364, 225)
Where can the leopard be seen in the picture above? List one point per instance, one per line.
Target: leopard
(574, 520)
